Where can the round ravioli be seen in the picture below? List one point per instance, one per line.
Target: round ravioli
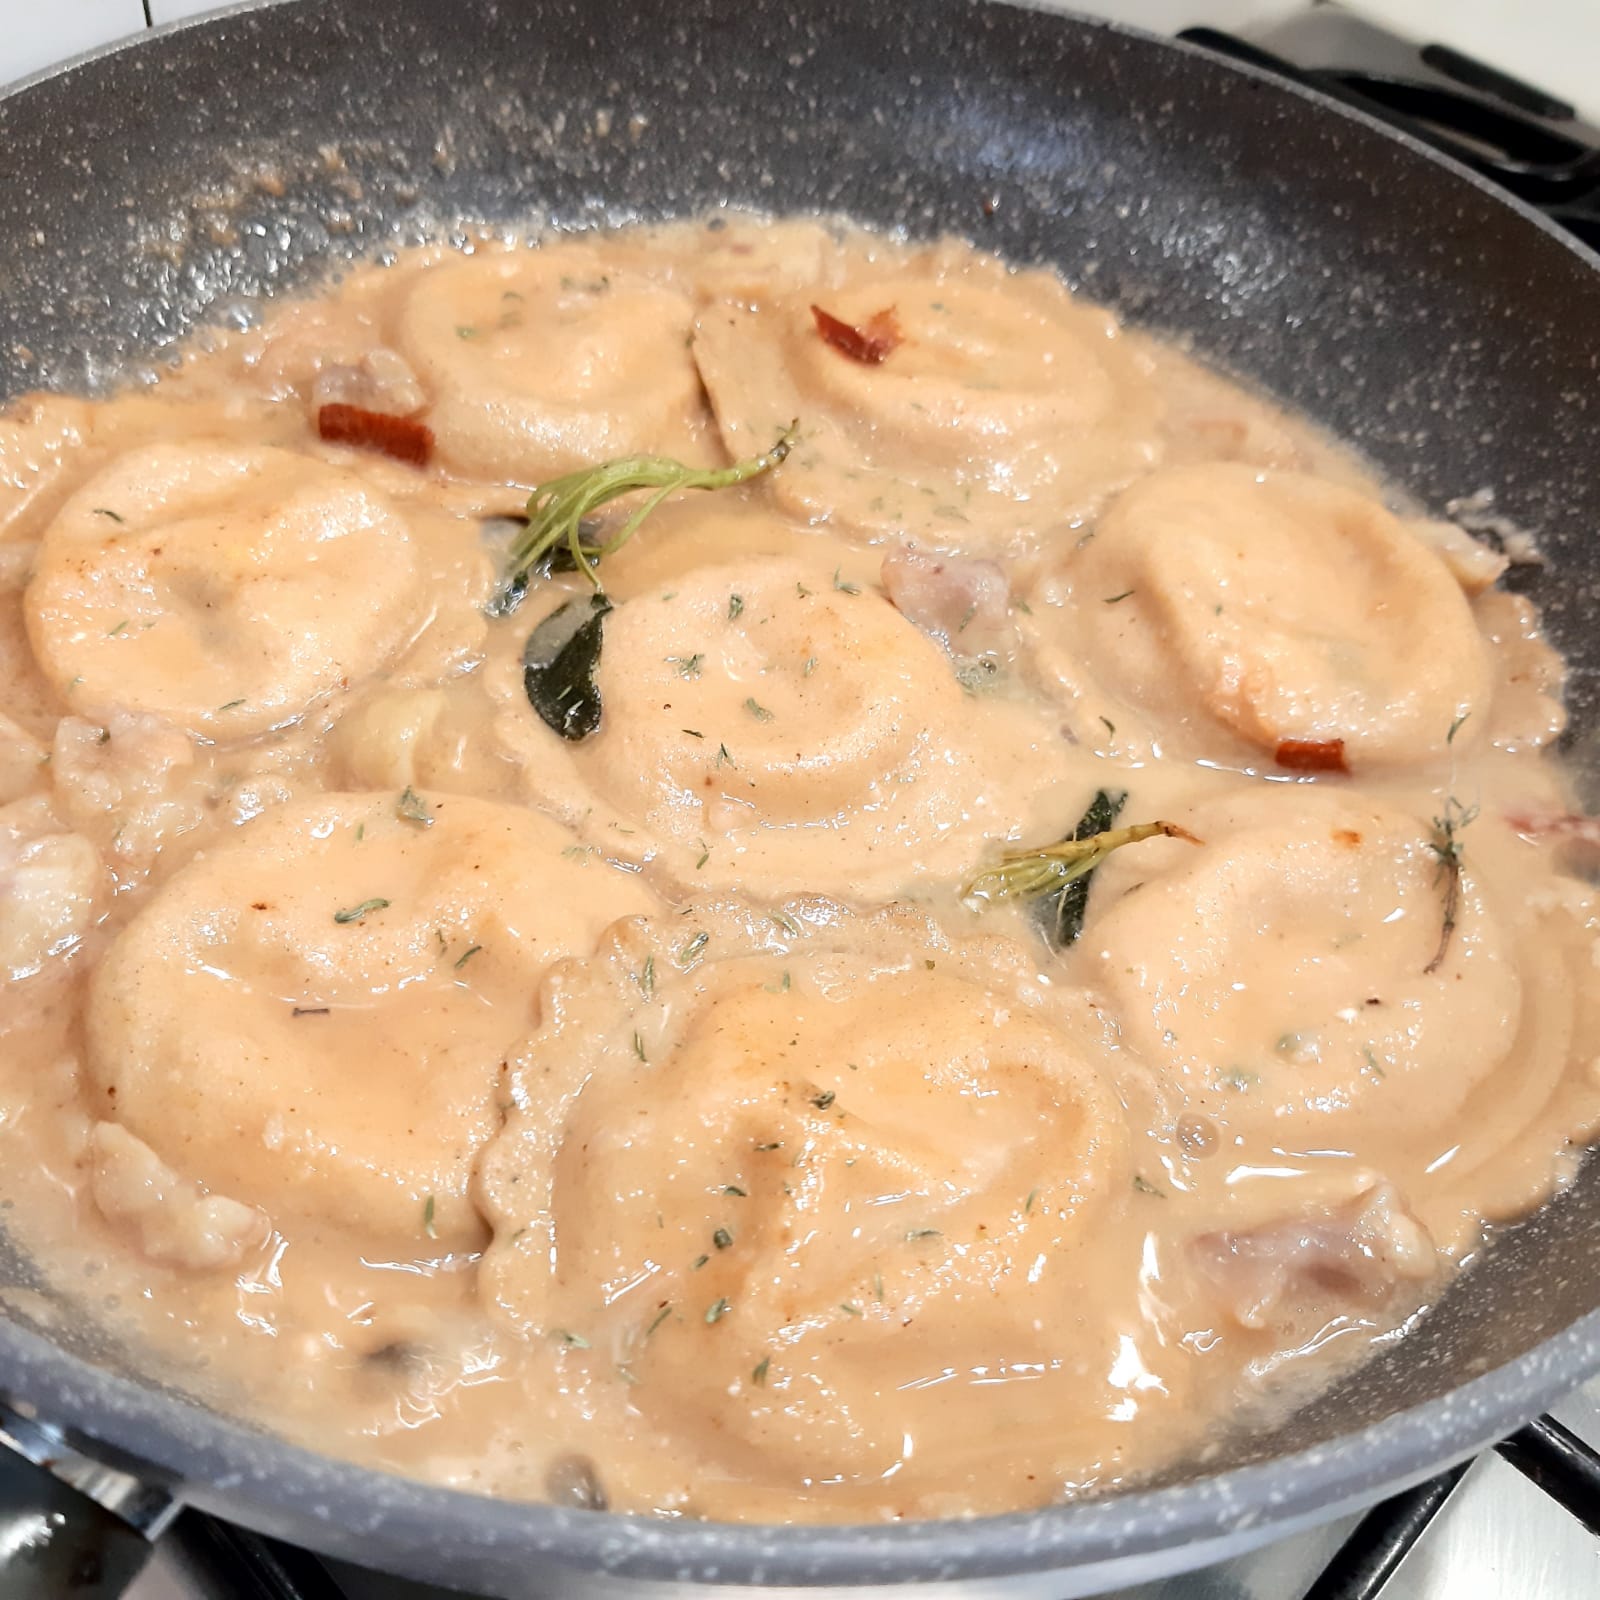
(315, 1015)
(1297, 973)
(1272, 608)
(940, 397)
(803, 1193)
(770, 721)
(223, 589)
(542, 361)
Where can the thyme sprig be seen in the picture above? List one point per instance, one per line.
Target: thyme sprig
(1034, 870)
(557, 509)
(1445, 843)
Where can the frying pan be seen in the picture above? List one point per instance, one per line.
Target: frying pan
(1453, 336)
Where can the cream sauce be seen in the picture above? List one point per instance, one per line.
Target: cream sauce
(647, 1120)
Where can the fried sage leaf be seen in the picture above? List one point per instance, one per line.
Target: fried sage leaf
(1058, 914)
(1057, 875)
(559, 666)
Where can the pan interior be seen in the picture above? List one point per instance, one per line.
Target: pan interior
(1441, 332)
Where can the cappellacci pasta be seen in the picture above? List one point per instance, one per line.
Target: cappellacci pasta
(754, 871)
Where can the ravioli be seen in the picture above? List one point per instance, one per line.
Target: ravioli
(1002, 406)
(314, 1017)
(790, 1183)
(771, 721)
(223, 589)
(1249, 609)
(1295, 975)
(537, 362)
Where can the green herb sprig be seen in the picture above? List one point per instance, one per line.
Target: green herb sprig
(557, 509)
(1030, 872)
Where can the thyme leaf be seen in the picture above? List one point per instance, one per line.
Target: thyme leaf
(356, 913)
(1446, 845)
(411, 807)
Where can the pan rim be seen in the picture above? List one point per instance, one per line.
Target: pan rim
(447, 1530)
(205, 1451)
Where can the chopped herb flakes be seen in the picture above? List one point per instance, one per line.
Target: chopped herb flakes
(411, 807)
(758, 1375)
(735, 1191)
(809, 667)
(660, 1317)
(718, 1309)
(844, 585)
(229, 705)
(823, 1099)
(1144, 1186)
(106, 511)
(693, 949)
(735, 606)
(688, 666)
(722, 1239)
(575, 1340)
(757, 710)
(849, 1309)
(647, 977)
(466, 955)
(427, 1218)
(1114, 599)
(638, 1046)
(356, 913)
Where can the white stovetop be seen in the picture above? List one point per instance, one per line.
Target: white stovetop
(1552, 43)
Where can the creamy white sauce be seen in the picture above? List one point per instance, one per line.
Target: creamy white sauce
(648, 1119)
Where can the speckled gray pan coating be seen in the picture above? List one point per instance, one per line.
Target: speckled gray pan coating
(1393, 297)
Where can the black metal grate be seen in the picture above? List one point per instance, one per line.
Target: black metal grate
(1516, 135)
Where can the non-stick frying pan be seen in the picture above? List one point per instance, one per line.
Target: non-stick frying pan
(1453, 336)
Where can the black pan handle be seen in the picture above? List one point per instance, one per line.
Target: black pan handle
(71, 1527)
(58, 1544)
